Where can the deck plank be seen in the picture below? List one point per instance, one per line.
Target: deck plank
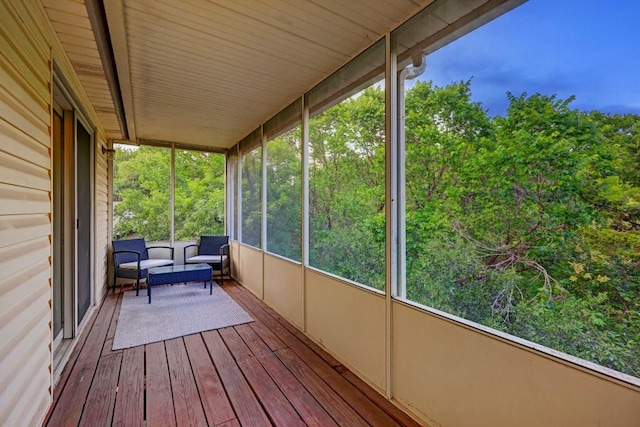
(217, 407)
(275, 403)
(108, 343)
(339, 409)
(307, 406)
(66, 372)
(267, 336)
(159, 403)
(358, 401)
(102, 395)
(332, 361)
(245, 403)
(186, 398)
(394, 412)
(129, 410)
(367, 409)
(70, 404)
(262, 373)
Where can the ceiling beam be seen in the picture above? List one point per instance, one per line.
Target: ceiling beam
(97, 17)
(114, 10)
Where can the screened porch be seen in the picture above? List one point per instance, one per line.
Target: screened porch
(410, 255)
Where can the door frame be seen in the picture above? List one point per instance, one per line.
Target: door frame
(72, 116)
(80, 120)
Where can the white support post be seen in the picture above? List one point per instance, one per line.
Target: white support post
(239, 195)
(304, 134)
(391, 200)
(263, 192)
(172, 194)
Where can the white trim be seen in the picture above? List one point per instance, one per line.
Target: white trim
(346, 281)
(263, 190)
(239, 194)
(304, 165)
(391, 202)
(283, 258)
(172, 194)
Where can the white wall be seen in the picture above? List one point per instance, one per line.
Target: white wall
(459, 376)
(283, 289)
(248, 267)
(350, 322)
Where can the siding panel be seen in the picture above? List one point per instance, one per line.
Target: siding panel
(23, 146)
(23, 38)
(16, 346)
(25, 212)
(36, 75)
(102, 219)
(21, 117)
(21, 228)
(21, 89)
(19, 172)
(21, 201)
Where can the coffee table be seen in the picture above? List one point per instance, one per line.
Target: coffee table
(179, 274)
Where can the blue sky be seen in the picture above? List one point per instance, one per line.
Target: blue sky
(586, 48)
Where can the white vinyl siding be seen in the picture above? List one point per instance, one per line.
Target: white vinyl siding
(25, 217)
(101, 220)
(27, 51)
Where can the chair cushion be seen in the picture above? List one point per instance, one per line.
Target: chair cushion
(146, 264)
(205, 259)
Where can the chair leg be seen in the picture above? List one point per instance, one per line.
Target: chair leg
(138, 286)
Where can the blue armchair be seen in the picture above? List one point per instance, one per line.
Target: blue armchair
(131, 260)
(212, 250)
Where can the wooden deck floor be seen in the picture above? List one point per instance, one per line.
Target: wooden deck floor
(258, 374)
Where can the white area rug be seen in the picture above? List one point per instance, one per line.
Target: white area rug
(174, 311)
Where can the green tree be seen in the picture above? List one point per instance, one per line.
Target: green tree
(199, 194)
(346, 199)
(525, 223)
(284, 192)
(252, 197)
(142, 192)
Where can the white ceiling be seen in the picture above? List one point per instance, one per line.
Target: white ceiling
(208, 72)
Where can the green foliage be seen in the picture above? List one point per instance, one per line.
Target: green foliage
(284, 195)
(527, 223)
(590, 327)
(346, 185)
(252, 197)
(142, 193)
(199, 194)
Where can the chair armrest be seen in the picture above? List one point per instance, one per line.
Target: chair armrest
(224, 250)
(185, 250)
(125, 251)
(162, 247)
